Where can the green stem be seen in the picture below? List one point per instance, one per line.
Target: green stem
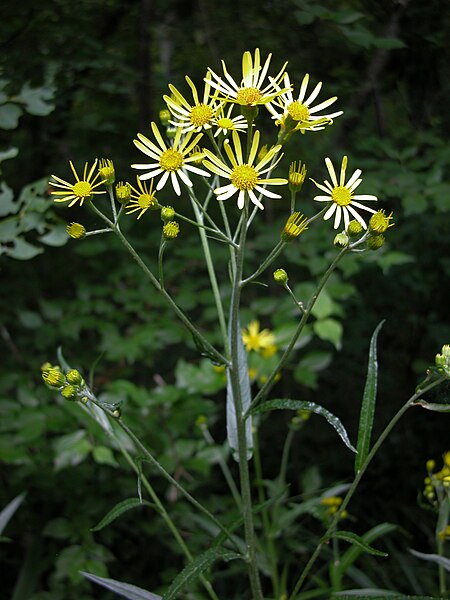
(233, 373)
(267, 262)
(187, 323)
(162, 247)
(270, 380)
(328, 534)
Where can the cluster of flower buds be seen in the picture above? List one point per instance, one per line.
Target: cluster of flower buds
(437, 484)
(332, 504)
(70, 384)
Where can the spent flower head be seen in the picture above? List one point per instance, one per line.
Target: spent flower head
(295, 225)
(77, 231)
(297, 175)
(252, 89)
(53, 377)
(123, 192)
(244, 176)
(171, 161)
(107, 172)
(197, 115)
(342, 196)
(142, 199)
(83, 188)
(299, 114)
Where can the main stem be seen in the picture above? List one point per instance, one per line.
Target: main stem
(233, 373)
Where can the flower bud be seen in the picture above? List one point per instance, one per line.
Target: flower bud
(379, 222)
(164, 116)
(171, 230)
(354, 229)
(53, 377)
(69, 392)
(167, 213)
(77, 231)
(375, 242)
(295, 225)
(106, 170)
(296, 176)
(123, 193)
(262, 152)
(74, 377)
(341, 240)
(430, 465)
(442, 360)
(280, 276)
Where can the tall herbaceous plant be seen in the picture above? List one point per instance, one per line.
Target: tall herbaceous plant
(210, 151)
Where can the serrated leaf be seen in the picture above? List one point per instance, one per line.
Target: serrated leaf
(443, 408)
(436, 558)
(367, 413)
(288, 404)
(118, 510)
(352, 538)
(246, 397)
(196, 568)
(126, 590)
(9, 510)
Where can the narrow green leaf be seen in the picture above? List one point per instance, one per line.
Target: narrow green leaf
(118, 510)
(285, 403)
(126, 590)
(375, 594)
(368, 403)
(349, 557)
(444, 408)
(196, 568)
(352, 538)
(436, 558)
(9, 510)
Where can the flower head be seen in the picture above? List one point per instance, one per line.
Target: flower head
(299, 114)
(342, 196)
(123, 192)
(142, 199)
(379, 222)
(250, 92)
(245, 177)
(194, 116)
(106, 170)
(77, 231)
(256, 339)
(53, 377)
(81, 190)
(171, 161)
(296, 176)
(225, 123)
(171, 230)
(295, 225)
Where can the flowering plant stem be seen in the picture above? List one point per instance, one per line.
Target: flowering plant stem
(329, 532)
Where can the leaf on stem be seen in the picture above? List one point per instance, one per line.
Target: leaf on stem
(436, 558)
(368, 403)
(9, 510)
(352, 538)
(286, 403)
(126, 590)
(196, 568)
(119, 509)
(444, 408)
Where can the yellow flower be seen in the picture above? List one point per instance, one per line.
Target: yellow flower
(296, 176)
(244, 176)
(257, 340)
(106, 170)
(196, 116)
(171, 230)
(141, 199)
(379, 222)
(342, 197)
(225, 123)
(172, 160)
(77, 231)
(81, 190)
(250, 92)
(295, 225)
(299, 114)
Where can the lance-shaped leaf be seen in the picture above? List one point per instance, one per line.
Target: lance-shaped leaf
(368, 403)
(286, 403)
(246, 397)
(351, 537)
(119, 509)
(444, 408)
(9, 510)
(196, 568)
(126, 590)
(436, 558)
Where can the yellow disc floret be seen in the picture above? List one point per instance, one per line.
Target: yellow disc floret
(248, 96)
(171, 160)
(244, 177)
(341, 195)
(298, 111)
(201, 114)
(82, 189)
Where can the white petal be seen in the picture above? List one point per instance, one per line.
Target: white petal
(365, 197)
(330, 212)
(265, 192)
(162, 181)
(175, 184)
(150, 174)
(353, 178)
(255, 200)
(337, 217)
(331, 171)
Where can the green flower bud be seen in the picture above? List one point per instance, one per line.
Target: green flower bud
(341, 240)
(123, 193)
(74, 377)
(53, 377)
(167, 213)
(171, 230)
(280, 276)
(164, 116)
(354, 228)
(379, 222)
(106, 170)
(375, 242)
(69, 392)
(77, 231)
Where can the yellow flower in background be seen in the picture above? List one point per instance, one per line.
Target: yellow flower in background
(245, 177)
(81, 190)
(171, 161)
(250, 92)
(342, 196)
(225, 123)
(196, 116)
(258, 340)
(300, 112)
(142, 199)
